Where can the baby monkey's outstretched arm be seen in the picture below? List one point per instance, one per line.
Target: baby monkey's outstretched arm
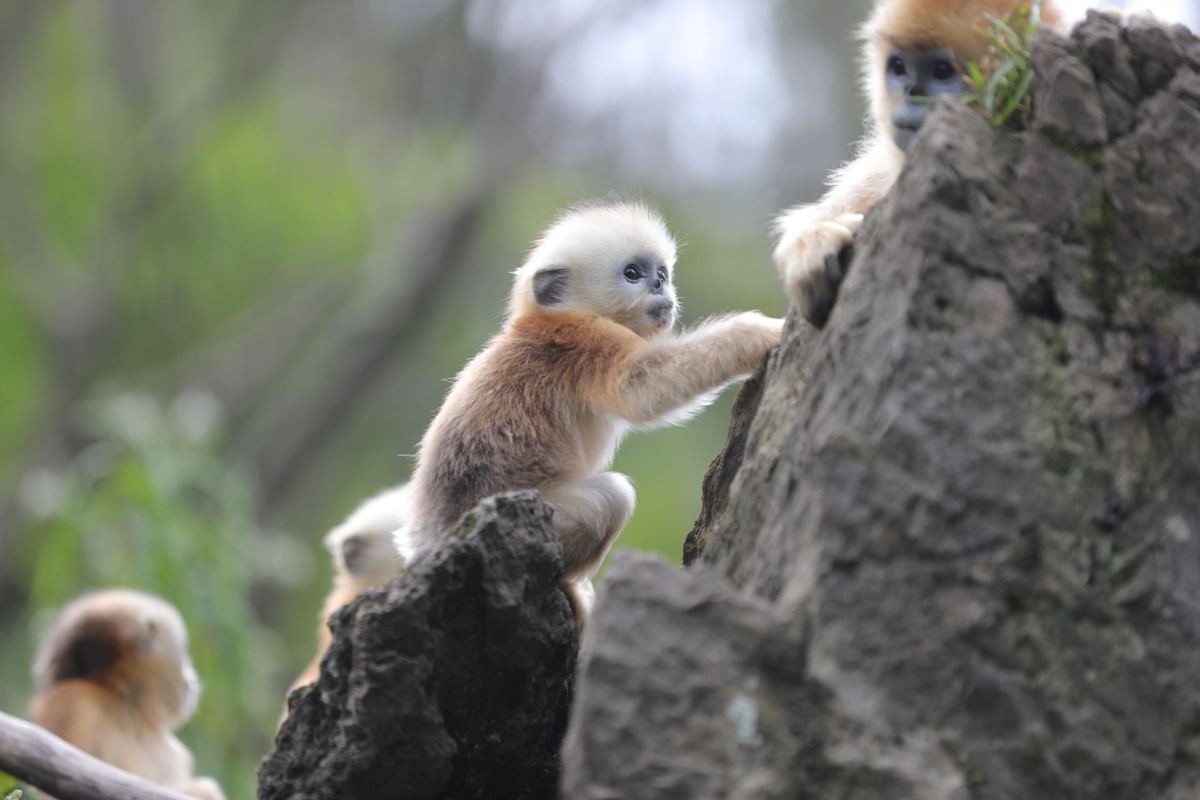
(672, 377)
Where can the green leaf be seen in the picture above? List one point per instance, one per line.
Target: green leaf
(1002, 33)
(994, 85)
(976, 76)
(1014, 102)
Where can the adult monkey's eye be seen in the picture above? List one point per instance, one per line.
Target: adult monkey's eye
(632, 273)
(943, 70)
(896, 66)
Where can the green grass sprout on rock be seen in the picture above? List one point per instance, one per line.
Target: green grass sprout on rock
(1000, 84)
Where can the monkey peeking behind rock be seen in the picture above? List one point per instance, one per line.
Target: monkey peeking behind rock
(115, 680)
(588, 351)
(914, 51)
(364, 557)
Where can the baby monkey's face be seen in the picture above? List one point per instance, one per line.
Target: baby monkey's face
(162, 643)
(646, 303)
(614, 260)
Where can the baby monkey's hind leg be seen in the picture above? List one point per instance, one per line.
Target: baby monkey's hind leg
(589, 514)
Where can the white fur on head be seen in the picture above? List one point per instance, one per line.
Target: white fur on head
(593, 243)
(369, 531)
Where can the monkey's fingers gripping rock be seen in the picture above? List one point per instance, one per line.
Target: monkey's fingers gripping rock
(814, 260)
(835, 267)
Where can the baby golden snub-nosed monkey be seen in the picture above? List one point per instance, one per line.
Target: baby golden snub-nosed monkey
(914, 51)
(364, 557)
(588, 350)
(115, 680)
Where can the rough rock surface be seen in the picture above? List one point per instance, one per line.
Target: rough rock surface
(952, 549)
(453, 683)
(689, 690)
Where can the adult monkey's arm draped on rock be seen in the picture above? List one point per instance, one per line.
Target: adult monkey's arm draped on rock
(913, 51)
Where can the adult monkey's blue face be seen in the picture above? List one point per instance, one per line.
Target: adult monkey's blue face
(914, 77)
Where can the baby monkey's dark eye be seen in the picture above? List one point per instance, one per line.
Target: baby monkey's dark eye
(895, 66)
(943, 70)
(662, 274)
(632, 273)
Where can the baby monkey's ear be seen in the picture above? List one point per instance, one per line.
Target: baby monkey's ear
(550, 286)
(354, 554)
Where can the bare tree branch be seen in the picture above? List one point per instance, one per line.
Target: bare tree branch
(44, 761)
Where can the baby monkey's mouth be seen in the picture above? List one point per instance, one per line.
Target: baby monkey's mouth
(660, 312)
(905, 133)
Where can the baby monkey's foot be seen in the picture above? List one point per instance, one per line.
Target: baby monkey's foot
(812, 258)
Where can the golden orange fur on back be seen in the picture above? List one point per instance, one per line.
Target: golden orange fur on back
(520, 423)
(90, 717)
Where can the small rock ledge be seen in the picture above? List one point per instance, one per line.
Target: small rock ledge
(454, 683)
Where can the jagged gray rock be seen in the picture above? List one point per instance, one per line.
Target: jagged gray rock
(952, 548)
(453, 683)
(707, 666)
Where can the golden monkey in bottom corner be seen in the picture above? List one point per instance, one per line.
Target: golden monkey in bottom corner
(588, 350)
(914, 51)
(364, 557)
(115, 680)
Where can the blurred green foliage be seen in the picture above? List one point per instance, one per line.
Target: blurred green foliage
(152, 505)
(130, 453)
(22, 368)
